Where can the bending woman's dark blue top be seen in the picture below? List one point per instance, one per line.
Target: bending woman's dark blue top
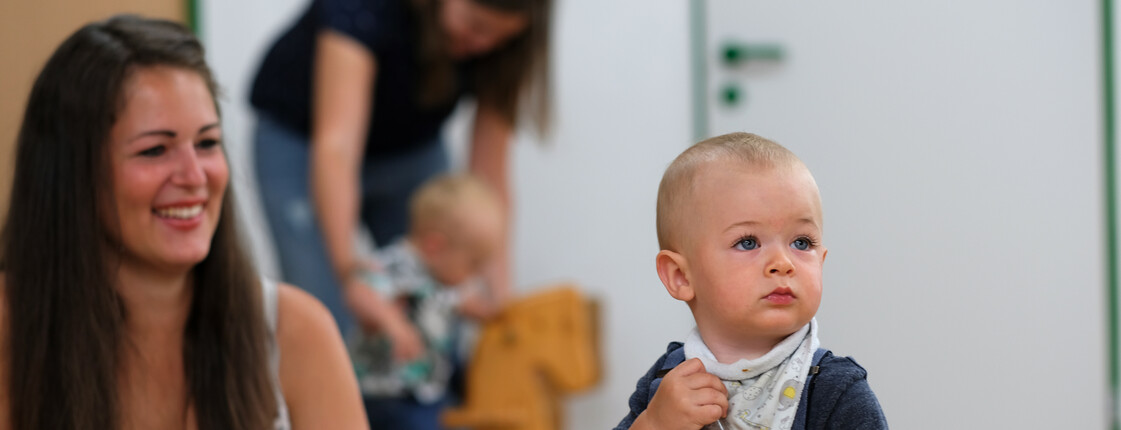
(388, 29)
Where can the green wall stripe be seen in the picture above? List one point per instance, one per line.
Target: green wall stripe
(1109, 140)
(193, 17)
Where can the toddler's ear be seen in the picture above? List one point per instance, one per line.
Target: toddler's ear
(674, 273)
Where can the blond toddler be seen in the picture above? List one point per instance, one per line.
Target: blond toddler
(403, 353)
(739, 224)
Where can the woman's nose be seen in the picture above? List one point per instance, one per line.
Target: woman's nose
(188, 171)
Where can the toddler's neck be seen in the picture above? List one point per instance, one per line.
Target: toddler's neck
(729, 349)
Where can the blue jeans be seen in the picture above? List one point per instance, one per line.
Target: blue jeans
(403, 414)
(282, 165)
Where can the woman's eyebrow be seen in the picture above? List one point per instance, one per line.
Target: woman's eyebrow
(167, 133)
(171, 133)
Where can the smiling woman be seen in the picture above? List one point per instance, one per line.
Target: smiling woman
(137, 307)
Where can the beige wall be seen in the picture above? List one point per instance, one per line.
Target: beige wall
(29, 31)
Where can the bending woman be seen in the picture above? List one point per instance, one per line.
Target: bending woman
(126, 299)
(350, 102)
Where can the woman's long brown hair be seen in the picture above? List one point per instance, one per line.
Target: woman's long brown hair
(516, 72)
(65, 319)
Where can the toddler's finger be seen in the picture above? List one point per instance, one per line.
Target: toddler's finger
(698, 381)
(688, 367)
(707, 397)
(708, 414)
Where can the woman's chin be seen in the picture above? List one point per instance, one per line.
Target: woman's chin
(185, 260)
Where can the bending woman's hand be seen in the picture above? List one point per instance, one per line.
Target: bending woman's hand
(407, 343)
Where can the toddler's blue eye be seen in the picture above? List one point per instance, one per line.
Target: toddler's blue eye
(801, 244)
(746, 244)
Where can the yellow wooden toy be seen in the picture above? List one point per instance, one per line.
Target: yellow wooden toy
(538, 349)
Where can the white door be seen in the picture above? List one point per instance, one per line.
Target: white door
(959, 154)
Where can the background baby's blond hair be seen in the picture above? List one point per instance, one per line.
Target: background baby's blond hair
(438, 200)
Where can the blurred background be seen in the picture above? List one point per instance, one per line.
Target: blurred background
(962, 151)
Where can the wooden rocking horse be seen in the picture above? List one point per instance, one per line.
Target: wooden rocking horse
(540, 348)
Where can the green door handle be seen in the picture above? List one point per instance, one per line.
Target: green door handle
(736, 53)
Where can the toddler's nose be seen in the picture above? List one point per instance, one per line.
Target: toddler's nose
(780, 264)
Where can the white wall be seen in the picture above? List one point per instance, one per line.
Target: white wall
(585, 200)
(959, 153)
(237, 34)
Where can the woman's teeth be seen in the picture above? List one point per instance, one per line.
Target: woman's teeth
(185, 212)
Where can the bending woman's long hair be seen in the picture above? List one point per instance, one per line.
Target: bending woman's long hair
(65, 320)
(514, 74)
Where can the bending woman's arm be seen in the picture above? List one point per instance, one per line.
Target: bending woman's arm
(489, 159)
(316, 376)
(343, 85)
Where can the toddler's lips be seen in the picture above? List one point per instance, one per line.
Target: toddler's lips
(781, 296)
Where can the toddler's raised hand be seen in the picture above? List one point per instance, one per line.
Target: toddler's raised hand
(688, 398)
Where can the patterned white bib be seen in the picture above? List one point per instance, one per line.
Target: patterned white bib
(762, 393)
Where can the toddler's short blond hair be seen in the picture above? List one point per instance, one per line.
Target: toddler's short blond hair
(676, 187)
(434, 206)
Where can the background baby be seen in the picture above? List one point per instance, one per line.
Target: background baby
(422, 284)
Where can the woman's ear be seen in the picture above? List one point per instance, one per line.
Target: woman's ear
(674, 273)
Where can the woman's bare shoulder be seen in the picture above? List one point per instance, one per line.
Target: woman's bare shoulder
(315, 372)
(299, 314)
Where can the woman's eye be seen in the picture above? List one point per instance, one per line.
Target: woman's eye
(747, 244)
(154, 151)
(801, 244)
(209, 143)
